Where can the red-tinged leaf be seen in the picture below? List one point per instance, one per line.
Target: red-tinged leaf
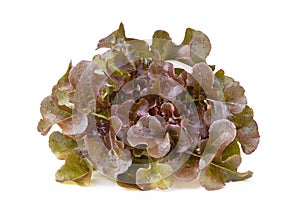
(113, 39)
(141, 114)
(248, 135)
(199, 45)
(110, 160)
(52, 114)
(211, 178)
(247, 130)
(189, 170)
(77, 71)
(235, 98)
(215, 175)
(221, 133)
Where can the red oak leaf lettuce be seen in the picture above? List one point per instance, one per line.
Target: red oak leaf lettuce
(148, 113)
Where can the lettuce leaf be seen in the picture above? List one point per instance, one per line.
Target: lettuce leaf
(145, 112)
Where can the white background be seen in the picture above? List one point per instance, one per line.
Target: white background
(256, 42)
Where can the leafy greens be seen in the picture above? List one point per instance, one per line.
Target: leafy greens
(138, 116)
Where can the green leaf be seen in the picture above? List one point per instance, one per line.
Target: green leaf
(229, 169)
(221, 134)
(161, 34)
(239, 118)
(232, 149)
(145, 180)
(63, 99)
(157, 175)
(61, 145)
(75, 170)
(223, 79)
(58, 107)
(164, 172)
(63, 91)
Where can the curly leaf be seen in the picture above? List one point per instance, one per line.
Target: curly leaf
(122, 111)
(57, 107)
(111, 162)
(234, 93)
(162, 45)
(76, 124)
(189, 170)
(61, 145)
(138, 118)
(161, 149)
(224, 80)
(248, 135)
(219, 171)
(157, 175)
(77, 71)
(235, 98)
(75, 170)
(196, 46)
(211, 178)
(185, 141)
(63, 91)
(215, 175)
(52, 114)
(128, 179)
(206, 78)
(247, 130)
(88, 89)
(113, 39)
(145, 180)
(230, 173)
(148, 130)
(221, 133)
(131, 49)
(219, 110)
(163, 86)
